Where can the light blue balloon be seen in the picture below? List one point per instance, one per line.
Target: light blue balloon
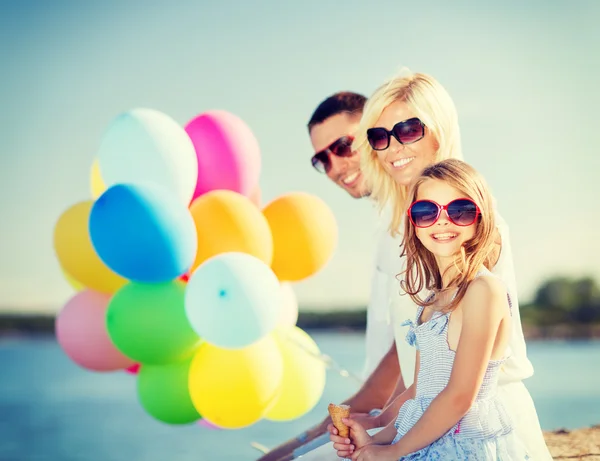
(232, 300)
(143, 233)
(147, 146)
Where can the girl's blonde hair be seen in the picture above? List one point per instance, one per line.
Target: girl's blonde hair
(428, 99)
(422, 271)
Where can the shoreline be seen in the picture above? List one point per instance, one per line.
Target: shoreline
(352, 321)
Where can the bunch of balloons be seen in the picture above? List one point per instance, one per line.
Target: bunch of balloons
(184, 279)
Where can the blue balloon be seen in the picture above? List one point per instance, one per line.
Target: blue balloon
(232, 300)
(143, 233)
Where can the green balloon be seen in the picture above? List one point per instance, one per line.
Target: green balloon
(148, 324)
(163, 392)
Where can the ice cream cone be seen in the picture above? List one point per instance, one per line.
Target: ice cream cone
(337, 412)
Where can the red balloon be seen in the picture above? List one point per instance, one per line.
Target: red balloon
(133, 369)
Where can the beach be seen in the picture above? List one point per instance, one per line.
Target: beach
(579, 444)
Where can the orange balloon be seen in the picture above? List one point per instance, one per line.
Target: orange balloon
(304, 235)
(228, 221)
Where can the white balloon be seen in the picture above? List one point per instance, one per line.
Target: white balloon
(232, 300)
(147, 146)
(288, 312)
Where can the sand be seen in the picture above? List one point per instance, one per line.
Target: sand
(578, 444)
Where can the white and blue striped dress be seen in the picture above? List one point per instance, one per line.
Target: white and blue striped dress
(485, 432)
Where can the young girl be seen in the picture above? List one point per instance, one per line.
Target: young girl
(462, 329)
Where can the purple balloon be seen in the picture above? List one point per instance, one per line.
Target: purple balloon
(207, 424)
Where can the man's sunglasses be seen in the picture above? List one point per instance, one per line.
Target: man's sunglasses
(340, 148)
(425, 213)
(405, 132)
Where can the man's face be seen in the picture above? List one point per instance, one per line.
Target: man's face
(344, 171)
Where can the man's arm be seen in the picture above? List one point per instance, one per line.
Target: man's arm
(374, 393)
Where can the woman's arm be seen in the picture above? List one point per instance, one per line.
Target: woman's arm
(484, 306)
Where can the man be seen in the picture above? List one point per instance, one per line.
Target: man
(331, 128)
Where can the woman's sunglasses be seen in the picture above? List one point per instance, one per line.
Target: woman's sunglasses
(425, 213)
(406, 132)
(340, 148)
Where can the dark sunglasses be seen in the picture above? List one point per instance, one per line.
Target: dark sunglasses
(340, 148)
(405, 132)
(425, 213)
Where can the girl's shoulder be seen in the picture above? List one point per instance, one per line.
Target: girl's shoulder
(486, 290)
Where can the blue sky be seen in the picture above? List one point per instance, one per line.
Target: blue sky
(523, 76)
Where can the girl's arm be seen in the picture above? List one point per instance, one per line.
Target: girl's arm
(359, 436)
(398, 391)
(389, 415)
(484, 307)
(390, 412)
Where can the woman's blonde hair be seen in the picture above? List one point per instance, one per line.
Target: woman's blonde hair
(422, 271)
(429, 100)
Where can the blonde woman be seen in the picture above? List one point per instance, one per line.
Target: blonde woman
(409, 123)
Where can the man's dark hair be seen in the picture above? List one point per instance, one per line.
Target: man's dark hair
(344, 101)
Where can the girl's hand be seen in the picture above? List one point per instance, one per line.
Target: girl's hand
(367, 421)
(374, 453)
(343, 445)
(358, 433)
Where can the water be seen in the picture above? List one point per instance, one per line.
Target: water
(52, 410)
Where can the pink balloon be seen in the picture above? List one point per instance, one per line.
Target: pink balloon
(207, 424)
(228, 153)
(81, 332)
(256, 196)
(133, 369)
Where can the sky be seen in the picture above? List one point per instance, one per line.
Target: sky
(523, 76)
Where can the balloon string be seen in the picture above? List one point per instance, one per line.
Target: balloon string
(327, 360)
(260, 447)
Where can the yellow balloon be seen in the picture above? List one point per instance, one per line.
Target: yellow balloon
(234, 388)
(76, 253)
(228, 221)
(77, 286)
(304, 235)
(97, 185)
(304, 375)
